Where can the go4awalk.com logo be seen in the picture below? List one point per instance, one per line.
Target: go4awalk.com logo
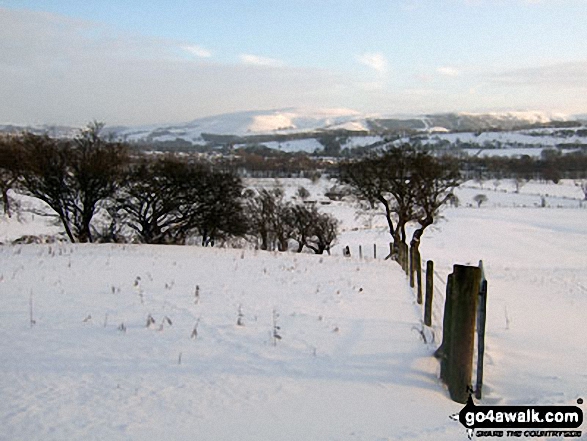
(521, 421)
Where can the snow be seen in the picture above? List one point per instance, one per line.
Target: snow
(508, 139)
(535, 263)
(352, 126)
(271, 123)
(301, 119)
(289, 120)
(361, 141)
(346, 340)
(530, 117)
(507, 152)
(350, 363)
(308, 145)
(311, 145)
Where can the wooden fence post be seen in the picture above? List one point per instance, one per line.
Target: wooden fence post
(374, 251)
(412, 266)
(394, 252)
(465, 292)
(481, 320)
(404, 257)
(429, 293)
(442, 352)
(360, 251)
(418, 263)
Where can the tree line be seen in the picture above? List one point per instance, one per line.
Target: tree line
(552, 165)
(101, 191)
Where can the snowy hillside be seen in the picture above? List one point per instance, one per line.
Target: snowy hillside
(293, 120)
(346, 354)
(328, 347)
(299, 129)
(248, 123)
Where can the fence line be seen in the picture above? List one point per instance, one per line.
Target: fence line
(374, 251)
(462, 331)
(461, 352)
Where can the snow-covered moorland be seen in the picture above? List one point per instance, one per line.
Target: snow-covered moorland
(255, 345)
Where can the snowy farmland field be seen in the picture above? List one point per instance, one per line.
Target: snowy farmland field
(346, 362)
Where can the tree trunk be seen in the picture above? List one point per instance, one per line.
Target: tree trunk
(264, 241)
(65, 223)
(388, 213)
(283, 244)
(6, 202)
(416, 237)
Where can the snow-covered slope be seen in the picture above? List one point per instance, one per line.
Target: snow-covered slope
(293, 124)
(348, 362)
(342, 358)
(498, 127)
(289, 120)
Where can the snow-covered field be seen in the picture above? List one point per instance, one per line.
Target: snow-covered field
(348, 362)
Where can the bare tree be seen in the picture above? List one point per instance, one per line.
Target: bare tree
(303, 193)
(312, 229)
(166, 200)
(303, 222)
(269, 218)
(409, 183)
(96, 167)
(386, 179)
(151, 198)
(274, 222)
(434, 180)
(218, 201)
(480, 199)
(73, 178)
(324, 233)
(45, 175)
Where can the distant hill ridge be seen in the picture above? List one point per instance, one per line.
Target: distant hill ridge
(294, 122)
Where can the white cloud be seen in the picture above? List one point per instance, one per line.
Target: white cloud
(372, 86)
(569, 75)
(375, 61)
(198, 51)
(58, 70)
(256, 60)
(448, 71)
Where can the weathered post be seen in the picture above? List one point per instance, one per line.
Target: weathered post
(403, 257)
(442, 353)
(418, 264)
(481, 320)
(393, 252)
(429, 293)
(412, 266)
(465, 292)
(374, 251)
(360, 251)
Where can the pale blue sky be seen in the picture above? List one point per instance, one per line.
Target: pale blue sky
(134, 62)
